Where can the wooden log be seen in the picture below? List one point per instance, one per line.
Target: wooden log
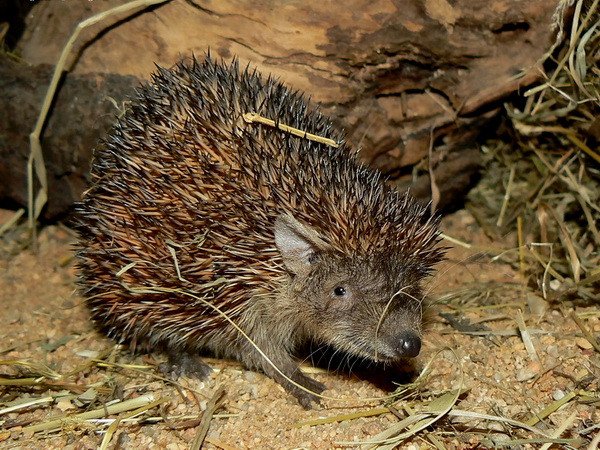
(394, 74)
(81, 114)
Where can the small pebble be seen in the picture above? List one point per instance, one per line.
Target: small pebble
(528, 372)
(583, 344)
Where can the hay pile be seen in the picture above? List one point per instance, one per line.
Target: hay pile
(542, 181)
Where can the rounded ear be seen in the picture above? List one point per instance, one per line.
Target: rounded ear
(296, 243)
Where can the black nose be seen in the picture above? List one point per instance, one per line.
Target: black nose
(407, 344)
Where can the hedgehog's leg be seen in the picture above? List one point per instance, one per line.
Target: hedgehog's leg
(180, 363)
(304, 398)
(287, 374)
(290, 377)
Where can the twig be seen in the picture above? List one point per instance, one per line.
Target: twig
(253, 117)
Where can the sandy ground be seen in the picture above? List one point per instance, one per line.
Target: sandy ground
(44, 321)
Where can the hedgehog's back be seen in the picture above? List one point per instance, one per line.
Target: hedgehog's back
(177, 201)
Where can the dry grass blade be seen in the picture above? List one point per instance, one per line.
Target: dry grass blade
(37, 369)
(526, 337)
(214, 402)
(26, 403)
(113, 427)
(509, 184)
(115, 408)
(560, 430)
(12, 221)
(551, 408)
(343, 417)
(421, 415)
(595, 444)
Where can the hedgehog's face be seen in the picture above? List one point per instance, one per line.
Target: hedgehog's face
(369, 307)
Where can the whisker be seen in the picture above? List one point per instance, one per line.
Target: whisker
(383, 313)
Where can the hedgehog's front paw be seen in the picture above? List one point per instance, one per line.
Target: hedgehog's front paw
(306, 399)
(183, 364)
(312, 384)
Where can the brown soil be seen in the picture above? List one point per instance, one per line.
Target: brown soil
(45, 321)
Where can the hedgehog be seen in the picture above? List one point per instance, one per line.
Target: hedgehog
(203, 232)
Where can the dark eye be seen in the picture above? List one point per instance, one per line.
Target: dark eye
(339, 291)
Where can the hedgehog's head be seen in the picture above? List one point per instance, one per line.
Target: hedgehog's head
(366, 305)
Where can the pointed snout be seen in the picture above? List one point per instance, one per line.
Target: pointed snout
(406, 344)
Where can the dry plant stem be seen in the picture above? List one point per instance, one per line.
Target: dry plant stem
(143, 371)
(546, 264)
(176, 264)
(22, 381)
(435, 191)
(211, 407)
(477, 249)
(456, 241)
(567, 242)
(91, 361)
(590, 219)
(553, 169)
(26, 404)
(551, 408)
(575, 140)
(12, 221)
(473, 415)
(401, 291)
(415, 422)
(593, 278)
(595, 444)
(522, 265)
(116, 408)
(253, 117)
(511, 178)
(575, 32)
(343, 417)
(439, 407)
(155, 289)
(518, 443)
(138, 367)
(36, 158)
(526, 337)
(560, 430)
(38, 369)
(547, 267)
